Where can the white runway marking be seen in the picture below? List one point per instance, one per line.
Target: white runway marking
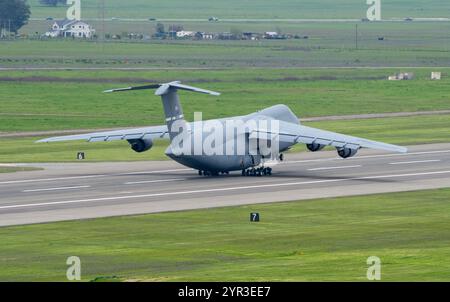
(415, 162)
(219, 190)
(56, 189)
(88, 176)
(364, 156)
(153, 181)
(333, 168)
(49, 179)
(153, 172)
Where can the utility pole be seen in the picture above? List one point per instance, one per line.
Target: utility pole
(356, 36)
(101, 16)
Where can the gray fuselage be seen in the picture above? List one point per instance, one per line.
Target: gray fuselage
(226, 161)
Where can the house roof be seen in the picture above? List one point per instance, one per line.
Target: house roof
(66, 22)
(62, 23)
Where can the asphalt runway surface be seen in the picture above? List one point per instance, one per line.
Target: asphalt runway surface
(89, 190)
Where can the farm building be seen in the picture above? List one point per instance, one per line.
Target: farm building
(185, 34)
(70, 28)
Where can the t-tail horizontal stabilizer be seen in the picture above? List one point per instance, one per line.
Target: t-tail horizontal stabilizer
(163, 89)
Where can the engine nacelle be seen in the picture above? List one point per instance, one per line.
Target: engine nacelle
(141, 145)
(315, 147)
(346, 152)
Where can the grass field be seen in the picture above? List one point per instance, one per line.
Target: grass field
(255, 9)
(329, 43)
(73, 100)
(430, 49)
(318, 240)
(32, 100)
(404, 131)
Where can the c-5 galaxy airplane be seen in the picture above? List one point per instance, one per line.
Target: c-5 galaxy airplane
(264, 136)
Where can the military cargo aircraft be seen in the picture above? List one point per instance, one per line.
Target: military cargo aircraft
(251, 143)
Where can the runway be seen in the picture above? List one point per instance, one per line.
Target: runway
(90, 190)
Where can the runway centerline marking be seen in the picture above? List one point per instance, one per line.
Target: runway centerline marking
(220, 190)
(153, 181)
(333, 168)
(56, 189)
(415, 162)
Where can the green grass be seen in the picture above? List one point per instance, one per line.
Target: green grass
(24, 150)
(255, 9)
(32, 100)
(314, 52)
(403, 131)
(318, 240)
(329, 43)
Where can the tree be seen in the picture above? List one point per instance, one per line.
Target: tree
(176, 27)
(236, 33)
(13, 15)
(160, 28)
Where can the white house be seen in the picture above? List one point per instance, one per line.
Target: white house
(207, 36)
(70, 28)
(271, 35)
(185, 34)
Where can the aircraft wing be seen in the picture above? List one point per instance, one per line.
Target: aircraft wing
(294, 133)
(156, 132)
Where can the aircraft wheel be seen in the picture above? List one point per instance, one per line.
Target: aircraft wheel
(200, 172)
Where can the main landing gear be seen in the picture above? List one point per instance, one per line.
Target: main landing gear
(209, 173)
(257, 172)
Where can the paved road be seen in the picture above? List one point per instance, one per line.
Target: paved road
(256, 20)
(77, 191)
